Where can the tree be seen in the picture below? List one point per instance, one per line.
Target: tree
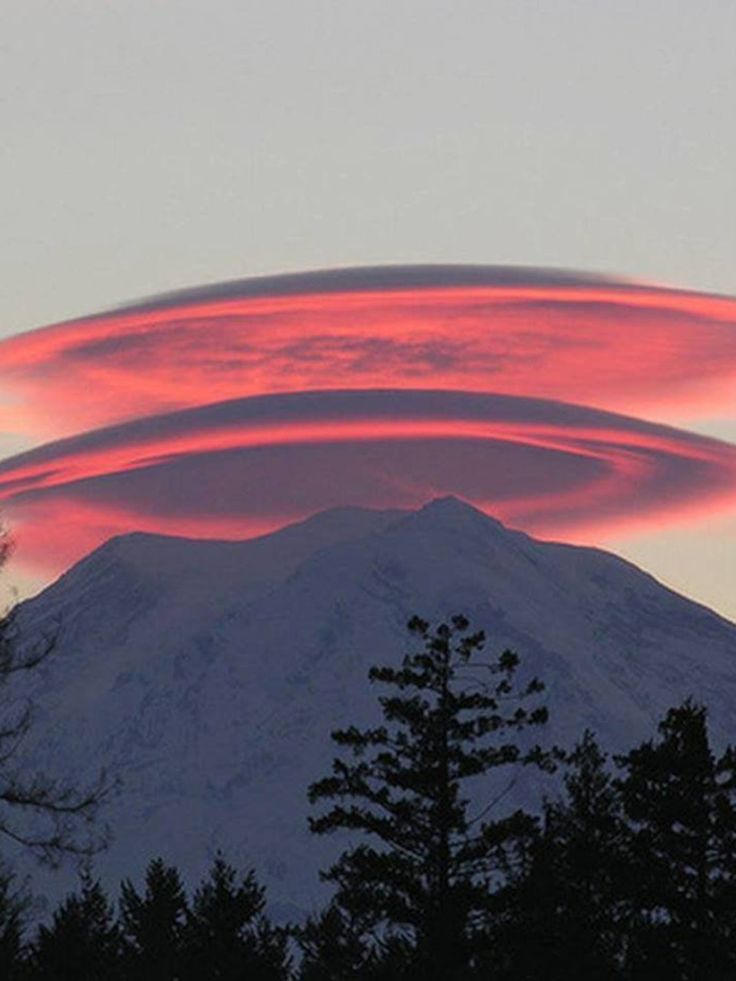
(564, 911)
(227, 937)
(332, 947)
(680, 800)
(82, 943)
(448, 723)
(153, 924)
(51, 817)
(14, 909)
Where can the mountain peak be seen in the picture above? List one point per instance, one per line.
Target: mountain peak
(451, 510)
(449, 503)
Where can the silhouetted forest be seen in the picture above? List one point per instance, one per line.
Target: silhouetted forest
(628, 873)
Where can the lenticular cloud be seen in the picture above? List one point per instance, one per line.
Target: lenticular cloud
(229, 410)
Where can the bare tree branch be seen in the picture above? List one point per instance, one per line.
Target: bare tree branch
(50, 817)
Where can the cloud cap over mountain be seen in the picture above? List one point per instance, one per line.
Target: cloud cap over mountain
(243, 467)
(229, 409)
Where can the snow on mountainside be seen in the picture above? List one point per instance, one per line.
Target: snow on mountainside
(208, 675)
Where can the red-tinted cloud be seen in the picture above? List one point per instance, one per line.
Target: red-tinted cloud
(612, 345)
(228, 410)
(244, 467)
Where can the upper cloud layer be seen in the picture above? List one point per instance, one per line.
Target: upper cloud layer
(613, 345)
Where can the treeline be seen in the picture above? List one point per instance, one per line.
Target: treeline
(155, 934)
(627, 874)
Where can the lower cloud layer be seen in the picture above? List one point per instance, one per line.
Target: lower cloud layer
(244, 467)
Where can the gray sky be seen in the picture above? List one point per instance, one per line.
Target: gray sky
(149, 145)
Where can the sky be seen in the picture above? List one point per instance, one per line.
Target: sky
(150, 146)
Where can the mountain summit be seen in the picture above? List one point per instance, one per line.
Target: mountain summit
(208, 675)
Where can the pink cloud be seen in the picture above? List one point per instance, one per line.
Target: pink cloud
(242, 467)
(612, 345)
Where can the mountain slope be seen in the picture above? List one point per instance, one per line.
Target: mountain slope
(209, 675)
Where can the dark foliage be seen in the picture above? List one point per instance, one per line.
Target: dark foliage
(82, 943)
(334, 946)
(14, 908)
(226, 937)
(421, 882)
(679, 799)
(153, 923)
(564, 911)
(630, 875)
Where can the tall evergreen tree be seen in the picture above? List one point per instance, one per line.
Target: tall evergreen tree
(227, 937)
(564, 911)
(153, 924)
(82, 943)
(423, 879)
(680, 800)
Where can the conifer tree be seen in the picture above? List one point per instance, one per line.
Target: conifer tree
(564, 911)
(422, 877)
(680, 800)
(153, 923)
(334, 947)
(331, 947)
(82, 943)
(227, 937)
(14, 907)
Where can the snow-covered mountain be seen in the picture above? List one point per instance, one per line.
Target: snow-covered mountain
(208, 675)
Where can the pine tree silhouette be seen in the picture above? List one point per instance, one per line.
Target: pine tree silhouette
(680, 800)
(425, 882)
(152, 924)
(333, 946)
(82, 943)
(564, 911)
(14, 908)
(227, 937)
